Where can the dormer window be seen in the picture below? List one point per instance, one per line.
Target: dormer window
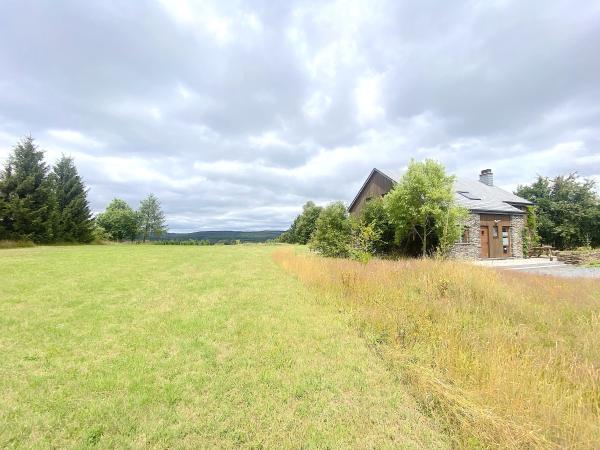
(467, 194)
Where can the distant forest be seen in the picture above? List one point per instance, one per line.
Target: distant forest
(214, 237)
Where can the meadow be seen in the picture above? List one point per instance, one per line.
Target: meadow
(499, 359)
(146, 346)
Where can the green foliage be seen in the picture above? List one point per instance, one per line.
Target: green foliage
(333, 232)
(531, 237)
(100, 235)
(303, 226)
(376, 216)
(567, 209)
(74, 218)
(422, 207)
(365, 238)
(120, 221)
(26, 198)
(152, 219)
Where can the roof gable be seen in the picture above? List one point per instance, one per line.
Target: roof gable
(373, 173)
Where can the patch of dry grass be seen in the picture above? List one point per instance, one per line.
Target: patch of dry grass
(502, 359)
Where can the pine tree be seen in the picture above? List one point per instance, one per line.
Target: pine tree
(73, 215)
(4, 212)
(152, 219)
(26, 194)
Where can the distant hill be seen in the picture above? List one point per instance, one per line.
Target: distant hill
(216, 236)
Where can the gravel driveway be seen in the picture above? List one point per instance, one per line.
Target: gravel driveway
(562, 270)
(542, 266)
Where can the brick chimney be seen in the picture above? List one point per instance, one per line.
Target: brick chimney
(487, 177)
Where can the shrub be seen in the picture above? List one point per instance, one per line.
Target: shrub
(333, 232)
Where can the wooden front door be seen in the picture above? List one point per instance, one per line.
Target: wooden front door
(485, 242)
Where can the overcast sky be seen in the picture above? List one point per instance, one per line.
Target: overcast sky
(236, 113)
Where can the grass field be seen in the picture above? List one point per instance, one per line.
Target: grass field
(502, 359)
(187, 347)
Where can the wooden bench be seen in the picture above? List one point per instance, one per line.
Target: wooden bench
(542, 250)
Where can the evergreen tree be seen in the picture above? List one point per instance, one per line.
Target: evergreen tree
(119, 220)
(74, 219)
(152, 219)
(26, 195)
(4, 212)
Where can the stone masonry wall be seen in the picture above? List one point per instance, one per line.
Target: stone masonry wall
(471, 249)
(517, 224)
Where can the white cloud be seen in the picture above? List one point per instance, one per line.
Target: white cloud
(367, 96)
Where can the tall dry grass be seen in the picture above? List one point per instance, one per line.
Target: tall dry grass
(501, 359)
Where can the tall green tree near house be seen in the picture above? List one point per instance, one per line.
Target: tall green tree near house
(421, 206)
(375, 216)
(73, 216)
(151, 217)
(27, 201)
(120, 221)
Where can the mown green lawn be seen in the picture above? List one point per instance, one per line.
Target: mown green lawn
(186, 347)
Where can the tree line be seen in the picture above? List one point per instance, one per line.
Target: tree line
(50, 205)
(418, 216)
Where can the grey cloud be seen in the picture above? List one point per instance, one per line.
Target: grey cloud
(235, 113)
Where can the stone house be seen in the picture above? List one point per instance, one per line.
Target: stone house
(494, 228)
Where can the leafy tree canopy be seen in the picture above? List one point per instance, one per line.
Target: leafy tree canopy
(333, 232)
(152, 219)
(421, 206)
(119, 220)
(567, 209)
(375, 216)
(303, 226)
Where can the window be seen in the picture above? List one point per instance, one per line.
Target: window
(495, 231)
(505, 240)
(464, 239)
(468, 195)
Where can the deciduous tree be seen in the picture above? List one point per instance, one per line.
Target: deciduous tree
(421, 205)
(567, 209)
(333, 232)
(152, 219)
(119, 220)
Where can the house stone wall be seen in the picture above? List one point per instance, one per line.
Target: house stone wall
(517, 224)
(471, 249)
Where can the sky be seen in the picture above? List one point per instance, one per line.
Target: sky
(236, 113)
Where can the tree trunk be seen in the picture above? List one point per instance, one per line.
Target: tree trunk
(424, 241)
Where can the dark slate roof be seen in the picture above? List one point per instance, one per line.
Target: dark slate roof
(477, 196)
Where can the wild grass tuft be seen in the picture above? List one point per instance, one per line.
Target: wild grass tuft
(15, 244)
(502, 359)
